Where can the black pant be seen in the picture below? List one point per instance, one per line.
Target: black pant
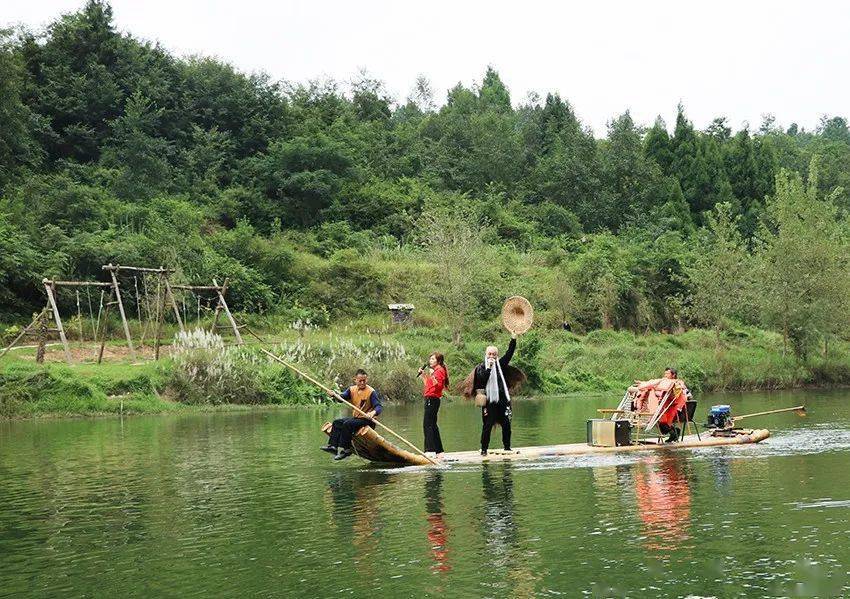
(429, 425)
(343, 429)
(491, 414)
(665, 428)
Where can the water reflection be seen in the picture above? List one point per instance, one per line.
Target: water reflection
(438, 530)
(501, 534)
(663, 496)
(354, 499)
(721, 467)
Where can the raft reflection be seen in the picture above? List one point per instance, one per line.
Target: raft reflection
(355, 499)
(663, 495)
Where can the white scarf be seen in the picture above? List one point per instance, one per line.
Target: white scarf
(496, 376)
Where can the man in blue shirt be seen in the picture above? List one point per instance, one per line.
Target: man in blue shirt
(368, 406)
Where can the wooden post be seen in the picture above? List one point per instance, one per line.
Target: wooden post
(42, 338)
(160, 313)
(79, 315)
(103, 327)
(48, 287)
(229, 315)
(112, 270)
(222, 291)
(174, 304)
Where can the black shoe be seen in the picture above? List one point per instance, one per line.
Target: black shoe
(508, 449)
(483, 452)
(343, 453)
(674, 436)
(329, 449)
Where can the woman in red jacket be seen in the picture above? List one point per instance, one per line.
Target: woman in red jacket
(435, 378)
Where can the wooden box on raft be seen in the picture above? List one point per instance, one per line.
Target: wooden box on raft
(604, 432)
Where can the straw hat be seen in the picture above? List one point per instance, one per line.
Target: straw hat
(517, 314)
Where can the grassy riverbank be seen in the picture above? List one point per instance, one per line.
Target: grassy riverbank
(557, 362)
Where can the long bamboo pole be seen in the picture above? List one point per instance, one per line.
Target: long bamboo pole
(794, 409)
(339, 398)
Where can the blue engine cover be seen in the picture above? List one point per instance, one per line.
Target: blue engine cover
(719, 416)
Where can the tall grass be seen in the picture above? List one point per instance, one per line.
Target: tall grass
(206, 371)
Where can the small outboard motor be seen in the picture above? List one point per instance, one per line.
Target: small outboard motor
(719, 417)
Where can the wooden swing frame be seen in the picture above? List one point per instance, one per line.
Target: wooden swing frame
(38, 326)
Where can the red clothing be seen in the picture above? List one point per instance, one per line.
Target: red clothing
(679, 402)
(654, 392)
(434, 384)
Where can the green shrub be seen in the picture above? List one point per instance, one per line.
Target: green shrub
(527, 359)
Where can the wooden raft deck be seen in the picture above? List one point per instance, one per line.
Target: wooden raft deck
(369, 445)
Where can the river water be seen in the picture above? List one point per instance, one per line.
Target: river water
(227, 504)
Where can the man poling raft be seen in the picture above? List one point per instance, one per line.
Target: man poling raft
(368, 406)
(364, 442)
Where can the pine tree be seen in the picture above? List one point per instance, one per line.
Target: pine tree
(741, 167)
(657, 146)
(139, 156)
(626, 173)
(493, 94)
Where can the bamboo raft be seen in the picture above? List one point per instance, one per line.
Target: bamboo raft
(371, 446)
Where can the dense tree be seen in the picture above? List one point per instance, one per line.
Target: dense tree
(626, 173)
(140, 158)
(300, 177)
(113, 149)
(720, 274)
(17, 147)
(802, 258)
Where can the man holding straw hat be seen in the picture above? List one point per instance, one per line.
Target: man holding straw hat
(492, 380)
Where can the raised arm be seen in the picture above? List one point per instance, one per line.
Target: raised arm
(505, 360)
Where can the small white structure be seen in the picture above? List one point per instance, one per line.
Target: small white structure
(402, 313)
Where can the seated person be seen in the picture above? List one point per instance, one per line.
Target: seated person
(650, 394)
(368, 406)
